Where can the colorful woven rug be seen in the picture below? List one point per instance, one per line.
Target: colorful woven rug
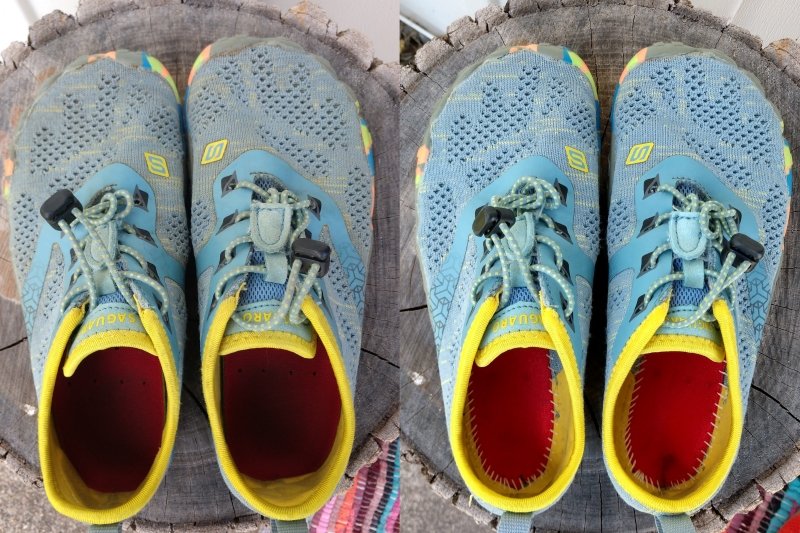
(372, 504)
(779, 512)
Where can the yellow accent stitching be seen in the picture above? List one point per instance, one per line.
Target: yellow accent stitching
(281, 340)
(685, 343)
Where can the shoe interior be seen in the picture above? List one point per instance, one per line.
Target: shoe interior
(109, 418)
(518, 421)
(674, 409)
(280, 412)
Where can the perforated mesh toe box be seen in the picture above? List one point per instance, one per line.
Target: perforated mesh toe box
(509, 108)
(90, 117)
(702, 107)
(282, 100)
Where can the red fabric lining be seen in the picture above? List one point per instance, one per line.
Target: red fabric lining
(511, 404)
(109, 417)
(673, 410)
(280, 411)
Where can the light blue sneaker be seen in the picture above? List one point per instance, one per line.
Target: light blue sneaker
(101, 278)
(699, 204)
(508, 225)
(281, 224)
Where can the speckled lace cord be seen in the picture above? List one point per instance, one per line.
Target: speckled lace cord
(295, 291)
(716, 221)
(529, 198)
(95, 217)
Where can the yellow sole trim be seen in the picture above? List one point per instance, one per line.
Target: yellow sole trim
(335, 465)
(458, 441)
(718, 472)
(122, 505)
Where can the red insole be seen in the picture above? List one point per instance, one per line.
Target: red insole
(280, 411)
(511, 402)
(109, 417)
(673, 412)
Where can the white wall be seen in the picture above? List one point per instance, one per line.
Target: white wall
(768, 19)
(377, 19)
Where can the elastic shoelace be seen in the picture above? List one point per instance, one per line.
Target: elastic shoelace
(715, 222)
(529, 198)
(107, 211)
(293, 295)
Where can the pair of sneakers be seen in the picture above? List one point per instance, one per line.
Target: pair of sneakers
(281, 197)
(509, 232)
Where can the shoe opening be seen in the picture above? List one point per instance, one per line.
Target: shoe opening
(673, 421)
(518, 424)
(280, 412)
(109, 417)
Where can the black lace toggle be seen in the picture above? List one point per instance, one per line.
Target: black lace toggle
(59, 207)
(312, 252)
(488, 219)
(744, 249)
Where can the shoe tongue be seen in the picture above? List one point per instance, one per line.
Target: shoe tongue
(517, 325)
(257, 305)
(111, 324)
(701, 337)
(670, 337)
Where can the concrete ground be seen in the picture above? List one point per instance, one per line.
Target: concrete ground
(25, 508)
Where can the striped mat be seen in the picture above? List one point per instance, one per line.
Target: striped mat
(779, 512)
(372, 504)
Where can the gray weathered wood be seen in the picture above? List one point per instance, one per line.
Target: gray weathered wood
(193, 491)
(605, 34)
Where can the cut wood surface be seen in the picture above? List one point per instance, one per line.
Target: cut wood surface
(606, 34)
(193, 493)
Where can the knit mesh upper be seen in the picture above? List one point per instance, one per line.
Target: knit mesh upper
(92, 115)
(284, 101)
(509, 109)
(270, 95)
(710, 111)
(704, 108)
(514, 105)
(87, 119)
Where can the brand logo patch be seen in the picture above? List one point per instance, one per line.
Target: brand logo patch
(214, 151)
(256, 317)
(576, 159)
(156, 164)
(110, 318)
(639, 153)
(523, 318)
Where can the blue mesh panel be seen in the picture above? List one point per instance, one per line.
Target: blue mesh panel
(510, 108)
(698, 106)
(114, 297)
(258, 289)
(682, 295)
(520, 294)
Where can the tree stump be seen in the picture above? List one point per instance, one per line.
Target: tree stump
(606, 35)
(193, 492)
